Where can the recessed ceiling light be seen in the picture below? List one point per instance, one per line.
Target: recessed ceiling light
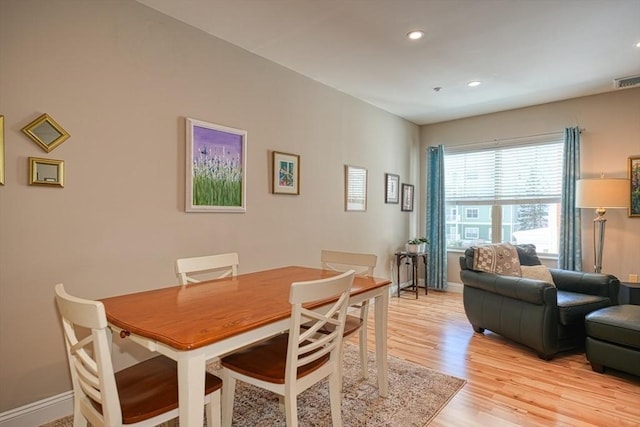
(638, 44)
(415, 35)
(473, 84)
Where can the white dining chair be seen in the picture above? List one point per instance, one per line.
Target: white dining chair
(145, 394)
(290, 363)
(222, 265)
(340, 261)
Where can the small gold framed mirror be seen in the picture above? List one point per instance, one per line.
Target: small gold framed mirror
(46, 172)
(2, 150)
(45, 132)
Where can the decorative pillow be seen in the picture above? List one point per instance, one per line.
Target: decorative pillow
(499, 258)
(527, 254)
(538, 272)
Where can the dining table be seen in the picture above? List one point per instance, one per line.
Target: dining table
(196, 322)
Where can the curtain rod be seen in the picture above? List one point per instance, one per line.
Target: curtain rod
(499, 140)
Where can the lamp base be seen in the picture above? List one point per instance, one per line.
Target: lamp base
(598, 239)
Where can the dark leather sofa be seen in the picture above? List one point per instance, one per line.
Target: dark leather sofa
(547, 318)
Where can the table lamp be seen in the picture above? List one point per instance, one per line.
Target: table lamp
(601, 193)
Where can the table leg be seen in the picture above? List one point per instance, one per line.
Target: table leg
(426, 286)
(398, 261)
(414, 260)
(191, 373)
(381, 309)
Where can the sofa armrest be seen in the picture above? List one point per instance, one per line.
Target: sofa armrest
(604, 285)
(527, 290)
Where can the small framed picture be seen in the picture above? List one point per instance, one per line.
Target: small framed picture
(634, 180)
(392, 188)
(2, 150)
(407, 198)
(286, 173)
(355, 189)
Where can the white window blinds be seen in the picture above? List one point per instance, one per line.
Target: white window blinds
(505, 175)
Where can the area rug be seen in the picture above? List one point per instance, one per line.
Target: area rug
(416, 395)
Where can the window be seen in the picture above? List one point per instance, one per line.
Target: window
(452, 213)
(471, 232)
(471, 213)
(507, 194)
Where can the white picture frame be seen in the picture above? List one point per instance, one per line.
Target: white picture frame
(216, 168)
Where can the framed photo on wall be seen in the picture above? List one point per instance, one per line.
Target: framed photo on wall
(407, 198)
(355, 189)
(391, 188)
(634, 180)
(216, 172)
(2, 150)
(286, 173)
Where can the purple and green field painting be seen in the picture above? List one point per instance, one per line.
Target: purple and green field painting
(217, 167)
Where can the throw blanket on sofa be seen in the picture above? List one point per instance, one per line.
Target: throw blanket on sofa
(499, 258)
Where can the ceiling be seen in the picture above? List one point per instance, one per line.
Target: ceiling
(525, 52)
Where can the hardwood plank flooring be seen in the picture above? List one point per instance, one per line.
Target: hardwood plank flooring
(507, 384)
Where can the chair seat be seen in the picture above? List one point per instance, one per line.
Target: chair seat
(150, 388)
(351, 325)
(267, 360)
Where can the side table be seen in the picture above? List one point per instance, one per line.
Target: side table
(414, 257)
(629, 293)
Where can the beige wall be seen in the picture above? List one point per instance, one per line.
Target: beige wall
(612, 134)
(120, 78)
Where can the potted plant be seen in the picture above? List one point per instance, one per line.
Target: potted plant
(419, 244)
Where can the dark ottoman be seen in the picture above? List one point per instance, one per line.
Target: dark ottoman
(613, 338)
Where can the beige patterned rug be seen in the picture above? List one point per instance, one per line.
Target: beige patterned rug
(416, 395)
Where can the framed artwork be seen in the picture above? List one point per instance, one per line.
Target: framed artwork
(2, 150)
(407, 198)
(286, 173)
(46, 172)
(216, 172)
(355, 189)
(634, 180)
(391, 188)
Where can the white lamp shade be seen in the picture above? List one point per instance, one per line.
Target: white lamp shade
(602, 193)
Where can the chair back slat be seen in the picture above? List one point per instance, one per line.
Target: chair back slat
(342, 261)
(308, 345)
(222, 265)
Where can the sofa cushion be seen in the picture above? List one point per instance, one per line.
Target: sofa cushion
(499, 258)
(573, 307)
(619, 324)
(537, 272)
(527, 254)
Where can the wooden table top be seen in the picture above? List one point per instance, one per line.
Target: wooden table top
(195, 315)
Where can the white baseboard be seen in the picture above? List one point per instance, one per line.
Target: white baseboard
(38, 413)
(455, 287)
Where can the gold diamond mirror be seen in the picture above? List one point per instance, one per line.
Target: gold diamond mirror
(45, 132)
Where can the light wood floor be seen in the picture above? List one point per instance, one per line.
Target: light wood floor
(507, 384)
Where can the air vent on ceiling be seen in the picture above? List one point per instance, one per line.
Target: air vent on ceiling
(625, 82)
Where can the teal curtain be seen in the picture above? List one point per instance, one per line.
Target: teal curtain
(437, 257)
(570, 250)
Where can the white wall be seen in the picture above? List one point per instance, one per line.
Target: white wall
(121, 78)
(612, 134)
